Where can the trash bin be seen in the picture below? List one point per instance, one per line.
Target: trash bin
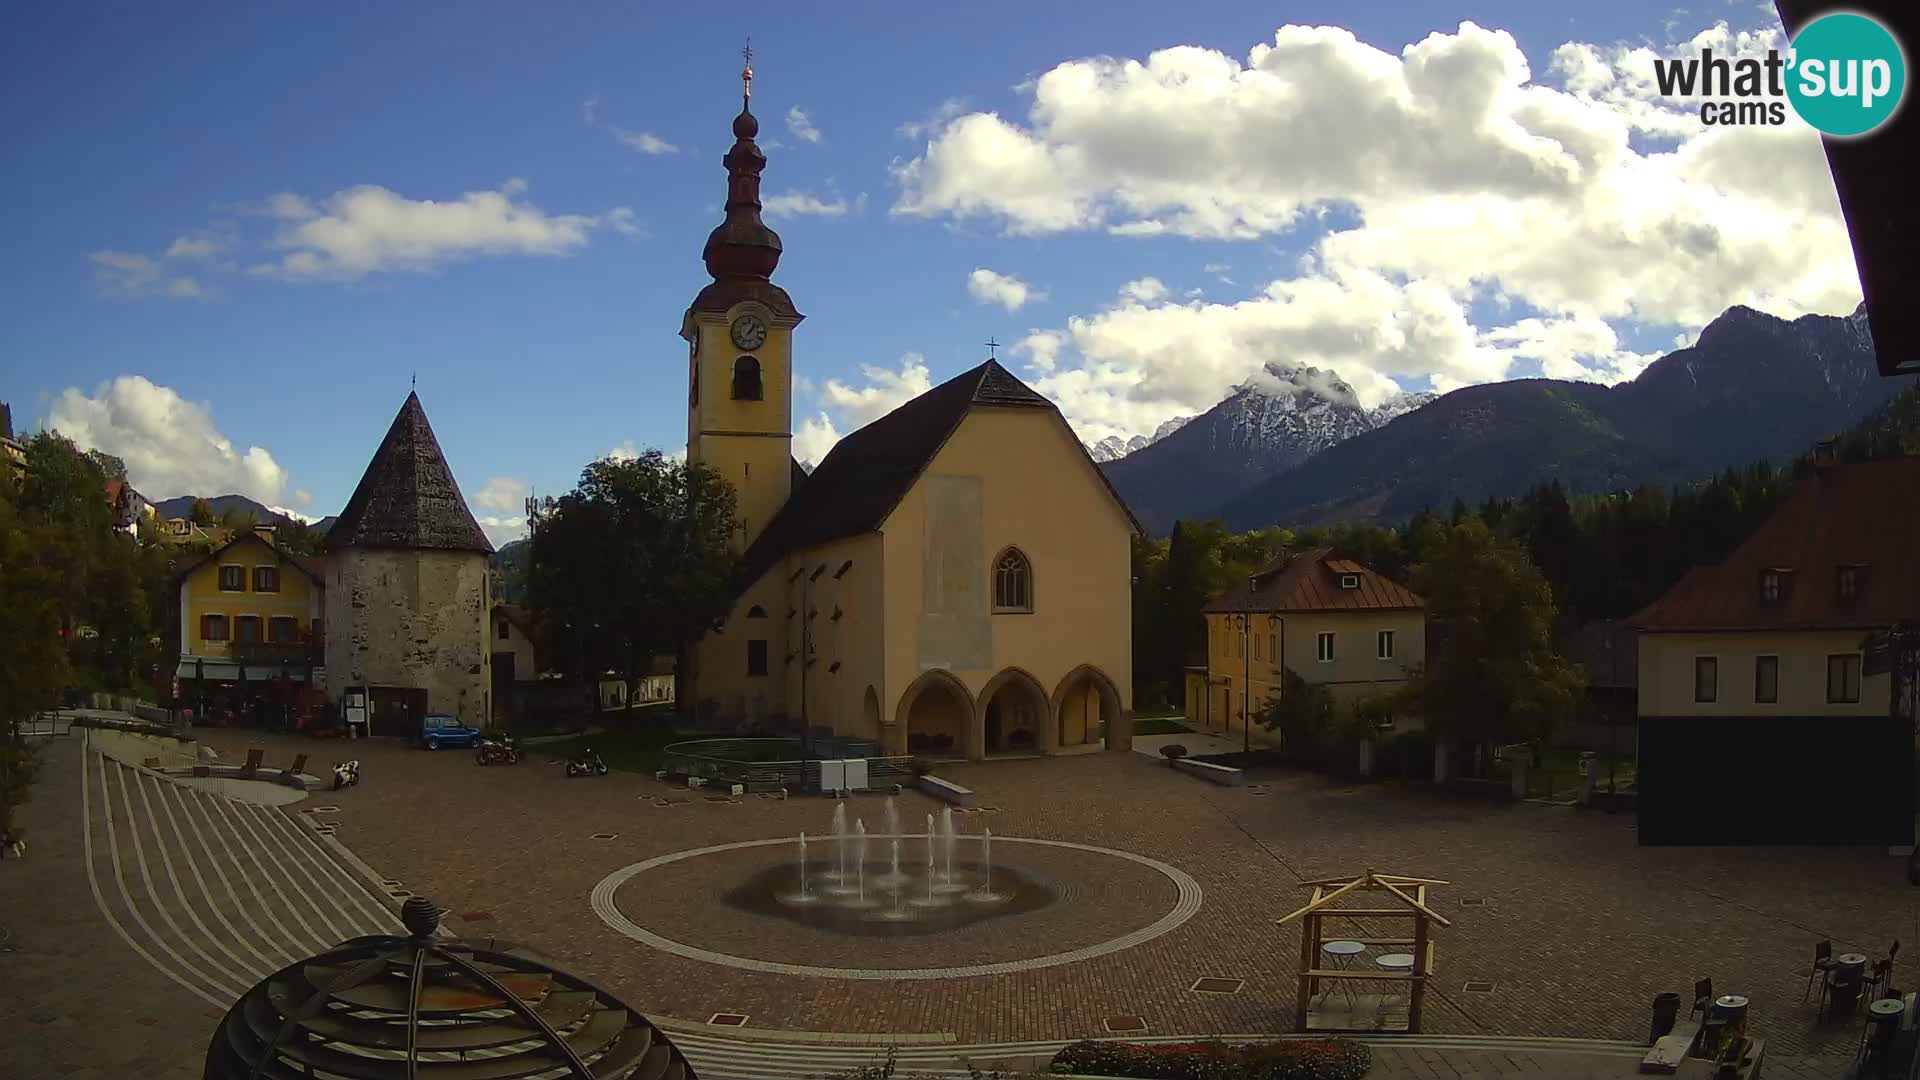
(1666, 1010)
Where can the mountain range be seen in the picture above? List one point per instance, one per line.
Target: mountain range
(1295, 447)
(182, 506)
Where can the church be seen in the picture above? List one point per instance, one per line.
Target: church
(954, 579)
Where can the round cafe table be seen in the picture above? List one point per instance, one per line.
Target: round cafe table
(1850, 959)
(1340, 955)
(1395, 962)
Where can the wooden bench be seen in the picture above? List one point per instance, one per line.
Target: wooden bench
(1208, 771)
(946, 790)
(291, 774)
(1671, 1049)
(252, 766)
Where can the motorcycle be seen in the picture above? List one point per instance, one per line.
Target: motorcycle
(346, 774)
(587, 764)
(497, 752)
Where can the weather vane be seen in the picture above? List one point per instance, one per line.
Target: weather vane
(413, 381)
(992, 345)
(746, 73)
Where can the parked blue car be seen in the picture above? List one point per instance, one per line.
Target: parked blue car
(438, 731)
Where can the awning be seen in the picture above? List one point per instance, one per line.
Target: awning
(228, 671)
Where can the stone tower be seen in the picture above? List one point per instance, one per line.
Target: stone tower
(407, 590)
(739, 334)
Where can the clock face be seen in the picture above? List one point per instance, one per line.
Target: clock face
(749, 332)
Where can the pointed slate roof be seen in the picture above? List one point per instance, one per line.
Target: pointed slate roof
(867, 473)
(407, 498)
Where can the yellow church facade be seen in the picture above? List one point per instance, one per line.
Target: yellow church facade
(953, 579)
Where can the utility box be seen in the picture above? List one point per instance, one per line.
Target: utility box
(854, 774)
(833, 775)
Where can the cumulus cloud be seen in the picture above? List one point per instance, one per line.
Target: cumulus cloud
(644, 141)
(803, 204)
(503, 529)
(845, 407)
(1420, 184)
(126, 274)
(993, 287)
(369, 229)
(800, 127)
(170, 445)
(503, 493)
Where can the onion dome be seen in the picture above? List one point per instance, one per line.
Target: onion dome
(421, 1008)
(742, 252)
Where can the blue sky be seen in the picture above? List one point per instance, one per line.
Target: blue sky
(185, 213)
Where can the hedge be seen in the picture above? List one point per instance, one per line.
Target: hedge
(1291, 1059)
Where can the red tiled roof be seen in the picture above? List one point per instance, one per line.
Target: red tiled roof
(1864, 515)
(1310, 581)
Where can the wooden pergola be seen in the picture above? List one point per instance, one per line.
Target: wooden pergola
(1408, 899)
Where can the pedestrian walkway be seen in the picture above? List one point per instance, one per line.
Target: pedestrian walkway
(1196, 742)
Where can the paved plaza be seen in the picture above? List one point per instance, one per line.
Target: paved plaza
(186, 895)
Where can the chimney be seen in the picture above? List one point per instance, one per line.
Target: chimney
(264, 532)
(1826, 454)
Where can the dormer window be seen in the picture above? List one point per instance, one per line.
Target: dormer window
(746, 379)
(1349, 581)
(1775, 581)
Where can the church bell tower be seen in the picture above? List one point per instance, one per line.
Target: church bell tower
(739, 334)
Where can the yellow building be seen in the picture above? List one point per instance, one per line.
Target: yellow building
(1331, 620)
(249, 612)
(953, 578)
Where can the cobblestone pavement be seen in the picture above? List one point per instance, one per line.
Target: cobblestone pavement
(1577, 926)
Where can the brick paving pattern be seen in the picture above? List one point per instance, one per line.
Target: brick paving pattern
(1580, 926)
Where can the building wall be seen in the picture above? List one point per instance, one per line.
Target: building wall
(1667, 674)
(1008, 477)
(200, 594)
(514, 640)
(750, 443)
(1356, 670)
(411, 619)
(719, 687)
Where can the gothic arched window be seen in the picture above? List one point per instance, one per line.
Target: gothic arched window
(746, 379)
(1012, 582)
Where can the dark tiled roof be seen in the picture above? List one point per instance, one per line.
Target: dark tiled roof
(407, 498)
(1865, 515)
(867, 473)
(1607, 651)
(1309, 581)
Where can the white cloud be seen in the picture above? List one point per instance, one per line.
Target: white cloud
(590, 110)
(503, 493)
(121, 273)
(502, 529)
(294, 514)
(369, 229)
(644, 141)
(1419, 183)
(623, 220)
(170, 445)
(993, 287)
(200, 244)
(1143, 290)
(854, 407)
(800, 127)
(626, 451)
(802, 204)
(933, 121)
(303, 497)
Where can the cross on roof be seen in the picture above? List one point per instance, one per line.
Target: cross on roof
(992, 345)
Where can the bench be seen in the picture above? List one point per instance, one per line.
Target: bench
(1208, 771)
(291, 774)
(253, 764)
(946, 790)
(1671, 1049)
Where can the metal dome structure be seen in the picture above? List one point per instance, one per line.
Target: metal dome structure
(421, 1008)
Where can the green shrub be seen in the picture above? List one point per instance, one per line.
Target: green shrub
(1291, 1059)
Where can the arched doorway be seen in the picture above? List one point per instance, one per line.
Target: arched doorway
(1087, 710)
(935, 713)
(1013, 712)
(870, 714)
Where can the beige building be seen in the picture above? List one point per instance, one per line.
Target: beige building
(1331, 620)
(1776, 628)
(407, 611)
(953, 579)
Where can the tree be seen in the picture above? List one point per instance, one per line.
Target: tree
(1491, 672)
(111, 467)
(202, 512)
(1303, 714)
(33, 663)
(632, 563)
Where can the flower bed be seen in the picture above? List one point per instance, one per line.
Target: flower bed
(1291, 1059)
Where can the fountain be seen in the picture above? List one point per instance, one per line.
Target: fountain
(900, 899)
(805, 897)
(840, 841)
(985, 894)
(860, 863)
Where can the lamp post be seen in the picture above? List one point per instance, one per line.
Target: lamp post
(1244, 620)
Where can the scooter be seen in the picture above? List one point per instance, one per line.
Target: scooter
(497, 752)
(587, 764)
(346, 774)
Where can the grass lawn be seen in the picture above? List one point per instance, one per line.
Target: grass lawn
(1159, 725)
(1558, 773)
(633, 742)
